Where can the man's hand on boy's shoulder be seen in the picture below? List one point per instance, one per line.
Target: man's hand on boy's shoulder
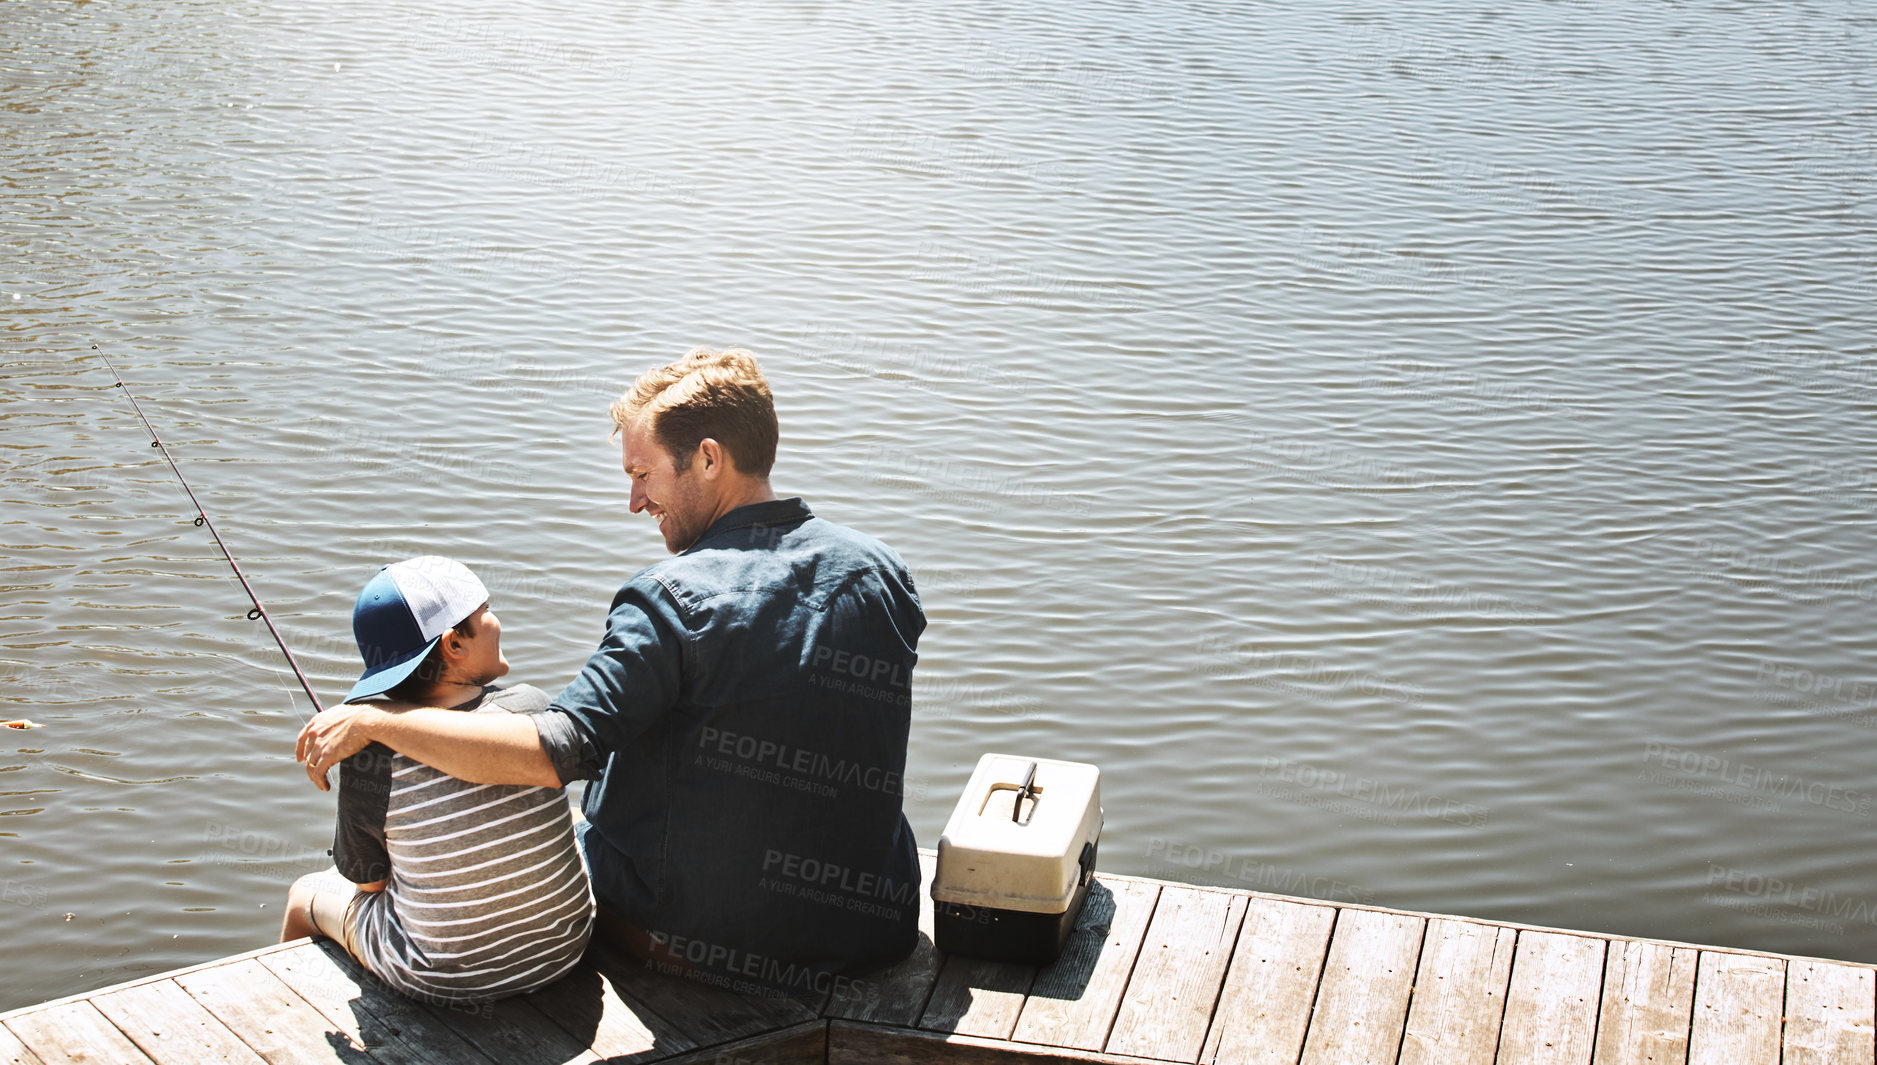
(335, 734)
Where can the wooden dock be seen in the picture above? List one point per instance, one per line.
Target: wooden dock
(1154, 972)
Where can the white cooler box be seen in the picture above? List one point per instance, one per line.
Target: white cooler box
(1016, 858)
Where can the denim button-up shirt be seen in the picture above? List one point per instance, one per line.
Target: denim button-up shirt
(746, 716)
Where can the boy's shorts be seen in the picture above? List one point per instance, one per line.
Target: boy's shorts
(336, 905)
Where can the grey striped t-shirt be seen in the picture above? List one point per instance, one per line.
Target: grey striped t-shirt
(487, 895)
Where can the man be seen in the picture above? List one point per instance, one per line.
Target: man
(745, 716)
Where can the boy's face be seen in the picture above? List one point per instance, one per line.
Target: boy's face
(481, 650)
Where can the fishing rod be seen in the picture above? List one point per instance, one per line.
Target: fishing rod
(202, 519)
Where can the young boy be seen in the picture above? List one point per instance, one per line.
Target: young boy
(446, 890)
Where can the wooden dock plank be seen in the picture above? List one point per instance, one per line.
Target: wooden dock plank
(977, 996)
(515, 1033)
(395, 1030)
(1739, 999)
(1459, 994)
(1170, 998)
(151, 978)
(74, 1033)
(171, 1027)
(898, 995)
(588, 1006)
(1648, 1003)
(1362, 1002)
(14, 1052)
(1551, 1003)
(878, 1044)
(1830, 1013)
(1265, 1007)
(802, 1044)
(273, 1020)
(1074, 999)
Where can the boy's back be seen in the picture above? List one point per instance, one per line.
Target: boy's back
(487, 895)
(448, 891)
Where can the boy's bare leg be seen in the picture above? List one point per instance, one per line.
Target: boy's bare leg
(298, 923)
(317, 905)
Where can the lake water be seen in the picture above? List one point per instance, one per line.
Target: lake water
(1424, 454)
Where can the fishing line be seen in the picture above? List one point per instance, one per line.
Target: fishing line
(202, 519)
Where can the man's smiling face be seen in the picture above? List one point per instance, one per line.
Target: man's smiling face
(679, 500)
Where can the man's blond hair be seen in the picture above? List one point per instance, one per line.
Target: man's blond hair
(721, 395)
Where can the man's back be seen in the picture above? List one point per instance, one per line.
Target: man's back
(754, 697)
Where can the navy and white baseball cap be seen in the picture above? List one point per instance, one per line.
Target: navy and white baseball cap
(405, 608)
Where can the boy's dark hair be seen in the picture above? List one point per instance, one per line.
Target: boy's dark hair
(413, 688)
